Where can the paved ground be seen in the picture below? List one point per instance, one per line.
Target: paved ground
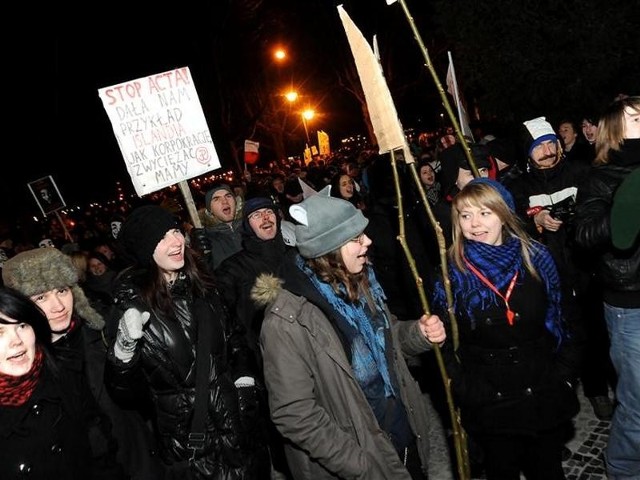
(586, 447)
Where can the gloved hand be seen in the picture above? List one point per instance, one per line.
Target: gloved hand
(129, 332)
(249, 403)
(200, 241)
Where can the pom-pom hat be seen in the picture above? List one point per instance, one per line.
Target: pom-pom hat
(43, 269)
(325, 224)
(142, 231)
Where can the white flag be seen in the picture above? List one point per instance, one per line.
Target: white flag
(452, 88)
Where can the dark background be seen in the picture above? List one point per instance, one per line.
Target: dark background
(514, 61)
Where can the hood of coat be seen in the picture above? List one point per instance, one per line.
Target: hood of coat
(266, 289)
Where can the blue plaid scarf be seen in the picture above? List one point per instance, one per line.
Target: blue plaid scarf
(499, 263)
(368, 344)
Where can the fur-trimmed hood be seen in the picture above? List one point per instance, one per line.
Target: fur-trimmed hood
(266, 289)
(208, 220)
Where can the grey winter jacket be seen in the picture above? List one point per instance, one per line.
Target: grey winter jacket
(315, 400)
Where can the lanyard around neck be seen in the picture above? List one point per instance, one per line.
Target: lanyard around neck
(510, 313)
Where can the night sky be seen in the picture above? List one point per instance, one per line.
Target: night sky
(89, 51)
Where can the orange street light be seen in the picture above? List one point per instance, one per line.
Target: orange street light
(291, 96)
(280, 54)
(307, 115)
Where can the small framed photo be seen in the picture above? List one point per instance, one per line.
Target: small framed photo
(47, 195)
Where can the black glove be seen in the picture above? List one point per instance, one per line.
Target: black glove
(200, 241)
(249, 403)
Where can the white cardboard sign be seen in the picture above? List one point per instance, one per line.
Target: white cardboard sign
(161, 129)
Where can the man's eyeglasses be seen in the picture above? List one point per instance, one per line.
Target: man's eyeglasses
(258, 214)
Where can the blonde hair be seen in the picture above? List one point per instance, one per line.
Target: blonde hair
(80, 261)
(482, 195)
(610, 134)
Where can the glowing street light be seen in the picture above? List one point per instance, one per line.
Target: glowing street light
(279, 54)
(291, 96)
(306, 116)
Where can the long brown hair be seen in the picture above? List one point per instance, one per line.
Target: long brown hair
(482, 195)
(156, 292)
(610, 134)
(330, 268)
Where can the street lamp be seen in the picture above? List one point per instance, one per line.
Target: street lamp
(291, 96)
(307, 115)
(279, 54)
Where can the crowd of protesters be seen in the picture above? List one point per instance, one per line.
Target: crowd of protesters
(283, 335)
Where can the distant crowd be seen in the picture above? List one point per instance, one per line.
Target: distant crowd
(286, 333)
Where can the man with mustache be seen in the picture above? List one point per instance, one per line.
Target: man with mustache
(544, 197)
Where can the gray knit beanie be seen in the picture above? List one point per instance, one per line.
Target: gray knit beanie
(42, 269)
(212, 190)
(325, 224)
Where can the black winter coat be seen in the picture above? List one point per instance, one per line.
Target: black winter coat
(546, 187)
(59, 433)
(619, 270)
(163, 370)
(511, 379)
(236, 276)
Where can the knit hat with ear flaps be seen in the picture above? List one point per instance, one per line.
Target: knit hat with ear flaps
(325, 224)
(142, 231)
(42, 269)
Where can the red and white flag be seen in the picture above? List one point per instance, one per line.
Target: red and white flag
(251, 153)
(452, 88)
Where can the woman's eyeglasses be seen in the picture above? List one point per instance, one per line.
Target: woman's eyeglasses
(359, 239)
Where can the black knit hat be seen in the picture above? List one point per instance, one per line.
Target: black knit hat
(142, 231)
(503, 149)
(253, 204)
(454, 158)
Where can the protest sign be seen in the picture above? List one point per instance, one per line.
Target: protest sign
(47, 196)
(161, 129)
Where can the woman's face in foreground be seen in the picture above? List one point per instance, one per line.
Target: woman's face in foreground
(17, 348)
